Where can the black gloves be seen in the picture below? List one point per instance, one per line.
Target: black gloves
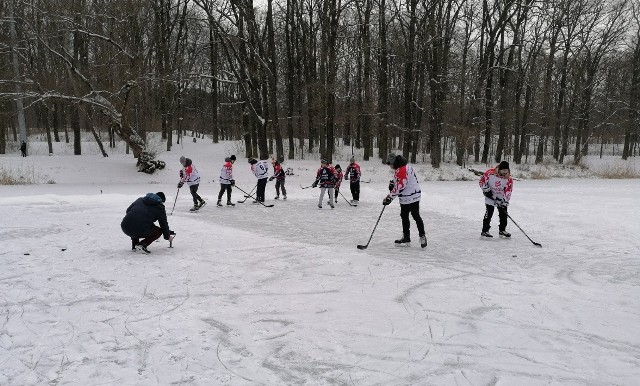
(171, 233)
(488, 193)
(387, 200)
(271, 178)
(392, 185)
(233, 182)
(315, 183)
(501, 203)
(181, 173)
(180, 184)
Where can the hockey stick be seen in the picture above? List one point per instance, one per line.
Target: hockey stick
(306, 187)
(246, 196)
(374, 229)
(516, 224)
(346, 199)
(249, 194)
(174, 202)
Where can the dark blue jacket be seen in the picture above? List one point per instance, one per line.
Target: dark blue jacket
(138, 222)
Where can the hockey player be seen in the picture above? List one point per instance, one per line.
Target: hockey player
(189, 175)
(279, 176)
(338, 182)
(353, 174)
(405, 186)
(260, 169)
(226, 180)
(139, 221)
(326, 178)
(496, 185)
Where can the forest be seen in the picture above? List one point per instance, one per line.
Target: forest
(437, 80)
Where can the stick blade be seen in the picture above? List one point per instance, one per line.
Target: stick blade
(362, 246)
(269, 206)
(538, 245)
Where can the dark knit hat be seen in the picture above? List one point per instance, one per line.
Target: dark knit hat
(162, 196)
(253, 161)
(323, 161)
(233, 157)
(183, 159)
(503, 165)
(337, 167)
(227, 159)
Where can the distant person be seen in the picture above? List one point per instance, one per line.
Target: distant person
(226, 180)
(405, 186)
(279, 176)
(336, 188)
(23, 148)
(189, 175)
(496, 185)
(325, 177)
(260, 169)
(353, 175)
(139, 221)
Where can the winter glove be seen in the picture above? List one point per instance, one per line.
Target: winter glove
(233, 182)
(346, 178)
(488, 193)
(392, 185)
(501, 203)
(181, 173)
(180, 184)
(271, 178)
(387, 200)
(315, 184)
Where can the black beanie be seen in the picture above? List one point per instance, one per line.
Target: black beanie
(503, 165)
(162, 196)
(233, 157)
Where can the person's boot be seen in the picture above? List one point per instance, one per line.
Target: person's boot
(219, 203)
(229, 203)
(423, 241)
(405, 239)
(143, 248)
(486, 234)
(202, 203)
(505, 234)
(284, 196)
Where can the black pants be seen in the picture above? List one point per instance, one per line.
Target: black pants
(336, 191)
(280, 185)
(223, 188)
(414, 210)
(155, 234)
(502, 215)
(194, 194)
(262, 184)
(355, 190)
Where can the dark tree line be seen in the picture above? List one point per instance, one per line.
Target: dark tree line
(458, 79)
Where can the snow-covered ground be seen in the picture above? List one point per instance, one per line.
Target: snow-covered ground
(273, 296)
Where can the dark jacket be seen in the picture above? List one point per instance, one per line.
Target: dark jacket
(138, 222)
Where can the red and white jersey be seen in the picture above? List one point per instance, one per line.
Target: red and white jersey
(190, 174)
(501, 187)
(260, 169)
(406, 187)
(226, 173)
(353, 173)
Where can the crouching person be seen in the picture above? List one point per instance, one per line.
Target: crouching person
(139, 222)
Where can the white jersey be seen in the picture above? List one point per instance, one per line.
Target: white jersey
(406, 186)
(226, 173)
(260, 169)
